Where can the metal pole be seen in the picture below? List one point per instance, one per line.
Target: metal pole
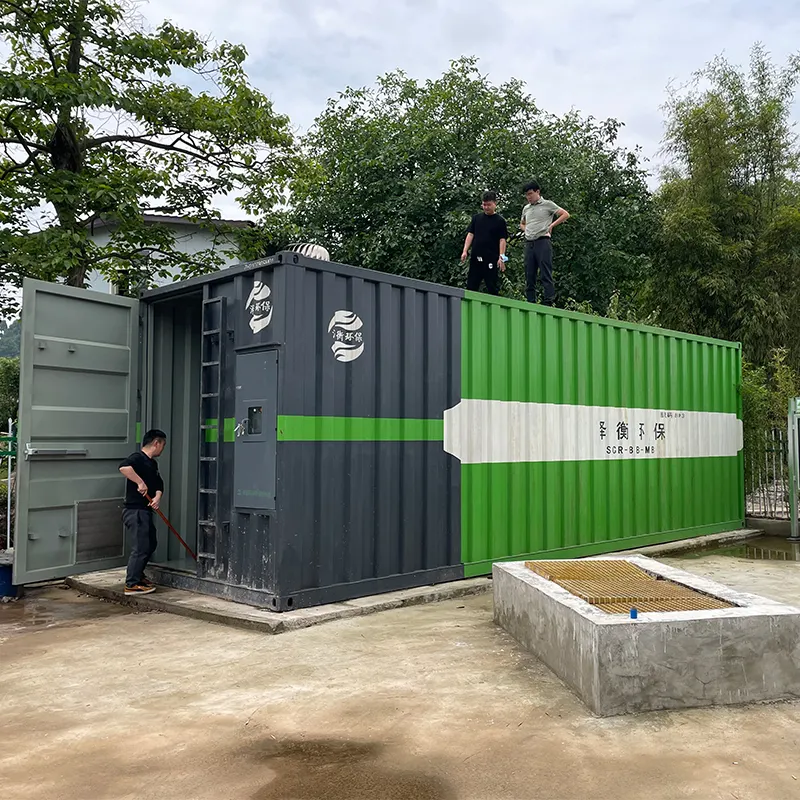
(8, 487)
(793, 465)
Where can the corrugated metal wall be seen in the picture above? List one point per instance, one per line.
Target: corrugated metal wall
(422, 435)
(520, 353)
(174, 402)
(366, 498)
(365, 489)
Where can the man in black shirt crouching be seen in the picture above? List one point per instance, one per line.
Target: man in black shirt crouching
(487, 235)
(144, 481)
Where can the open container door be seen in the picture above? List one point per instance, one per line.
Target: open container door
(77, 420)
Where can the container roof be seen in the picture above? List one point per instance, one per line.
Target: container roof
(192, 285)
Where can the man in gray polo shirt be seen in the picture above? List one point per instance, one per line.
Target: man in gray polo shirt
(539, 217)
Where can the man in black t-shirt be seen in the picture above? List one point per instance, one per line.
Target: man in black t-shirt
(487, 235)
(144, 481)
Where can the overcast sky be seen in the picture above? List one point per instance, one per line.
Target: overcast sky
(606, 58)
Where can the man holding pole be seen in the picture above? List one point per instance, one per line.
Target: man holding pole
(143, 492)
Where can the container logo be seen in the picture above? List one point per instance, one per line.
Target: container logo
(348, 338)
(260, 306)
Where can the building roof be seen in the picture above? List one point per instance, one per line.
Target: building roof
(172, 220)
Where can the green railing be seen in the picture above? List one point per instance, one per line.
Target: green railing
(8, 452)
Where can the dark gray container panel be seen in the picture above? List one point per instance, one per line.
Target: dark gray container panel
(255, 430)
(364, 514)
(244, 504)
(358, 369)
(257, 304)
(368, 500)
(359, 345)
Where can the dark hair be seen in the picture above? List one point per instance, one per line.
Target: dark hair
(152, 436)
(531, 187)
(489, 197)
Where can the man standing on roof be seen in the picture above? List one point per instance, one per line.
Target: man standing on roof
(143, 492)
(539, 217)
(487, 235)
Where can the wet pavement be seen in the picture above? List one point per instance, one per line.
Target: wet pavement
(52, 606)
(766, 566)
(760, 548)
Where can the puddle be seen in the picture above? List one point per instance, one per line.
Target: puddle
(53, 606)
(759, 548)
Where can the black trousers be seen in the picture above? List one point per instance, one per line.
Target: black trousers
(485, 271)
(141, 528)
(539, 260)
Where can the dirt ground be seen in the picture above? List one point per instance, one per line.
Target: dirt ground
(425, 703)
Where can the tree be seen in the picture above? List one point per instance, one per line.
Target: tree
(728, 261)
(273, 233)
(10, 336)
(391, 175)
(9, 390)
(95, 123)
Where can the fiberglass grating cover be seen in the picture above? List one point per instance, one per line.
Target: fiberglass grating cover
(617, 586)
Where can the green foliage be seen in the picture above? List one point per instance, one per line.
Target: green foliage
(766, 391)
(10, 336)
(9, 389)
(624, 310)
(95, 123)
(392, 174)
(273, 233)
(728, 248)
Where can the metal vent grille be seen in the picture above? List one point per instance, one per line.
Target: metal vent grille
(616, 586)
(100, 533)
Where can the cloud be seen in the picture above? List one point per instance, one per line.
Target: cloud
(607, 58)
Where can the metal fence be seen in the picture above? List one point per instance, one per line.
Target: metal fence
(767, 476)
(8, 452)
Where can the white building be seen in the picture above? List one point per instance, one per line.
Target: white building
(189, 238)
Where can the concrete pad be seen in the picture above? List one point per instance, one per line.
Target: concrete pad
(430, 702)
(618, 665)
(110, 585)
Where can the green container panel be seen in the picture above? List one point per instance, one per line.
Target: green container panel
(517, 353)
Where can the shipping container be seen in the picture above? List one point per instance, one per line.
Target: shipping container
(336, 432)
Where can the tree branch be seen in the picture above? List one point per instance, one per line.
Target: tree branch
(17, 8)
(210, 158)
(183, 258)
(16, 166)
(49, 48)
(76, 44)
(131, 139)
(30, 148)
(22, 141)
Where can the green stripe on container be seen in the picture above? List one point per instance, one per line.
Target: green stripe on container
(228, 430)
(359, 429)
(138, 433)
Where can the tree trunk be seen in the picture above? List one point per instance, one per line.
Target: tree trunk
(66, 154)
